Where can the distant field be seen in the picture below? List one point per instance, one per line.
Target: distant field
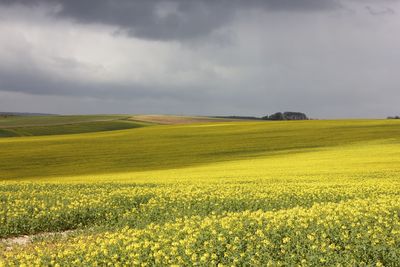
(12, 126)
(172, 119)
(20, 121)
(233, 193)
(54, 125)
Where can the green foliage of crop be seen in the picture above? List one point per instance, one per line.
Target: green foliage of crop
(74, 128)
(167, 147)
(317, 193)
(14, 126)
(25, 121)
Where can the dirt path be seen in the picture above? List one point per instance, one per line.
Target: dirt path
(27, 239)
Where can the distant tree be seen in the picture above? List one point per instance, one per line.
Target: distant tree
(276, 117)
(279, 116)
(295, 116)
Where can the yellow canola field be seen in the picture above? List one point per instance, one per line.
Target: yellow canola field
(317, 193)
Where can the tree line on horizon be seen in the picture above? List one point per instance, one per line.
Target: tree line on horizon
(278, 116)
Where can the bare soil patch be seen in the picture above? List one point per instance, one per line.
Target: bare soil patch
(27, 239)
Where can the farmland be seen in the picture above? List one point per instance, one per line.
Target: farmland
(11, 126)
(227, 193)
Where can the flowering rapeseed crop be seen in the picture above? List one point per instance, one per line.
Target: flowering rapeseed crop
(333, 205)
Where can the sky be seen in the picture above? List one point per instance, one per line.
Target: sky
(327, 58)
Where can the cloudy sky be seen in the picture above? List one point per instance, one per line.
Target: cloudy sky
(328, 58)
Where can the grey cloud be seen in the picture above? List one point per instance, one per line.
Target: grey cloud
(31, 80)
(170, 20)
(380, 12)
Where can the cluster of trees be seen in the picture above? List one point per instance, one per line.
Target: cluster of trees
(279, 116)
(394, 118)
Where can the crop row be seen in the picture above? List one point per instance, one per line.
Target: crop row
(34, 208)
(362, 232)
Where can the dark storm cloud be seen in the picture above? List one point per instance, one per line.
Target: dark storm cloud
(170, 20)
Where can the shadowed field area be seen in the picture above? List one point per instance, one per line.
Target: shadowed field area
(12, 126)
(28, 121)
